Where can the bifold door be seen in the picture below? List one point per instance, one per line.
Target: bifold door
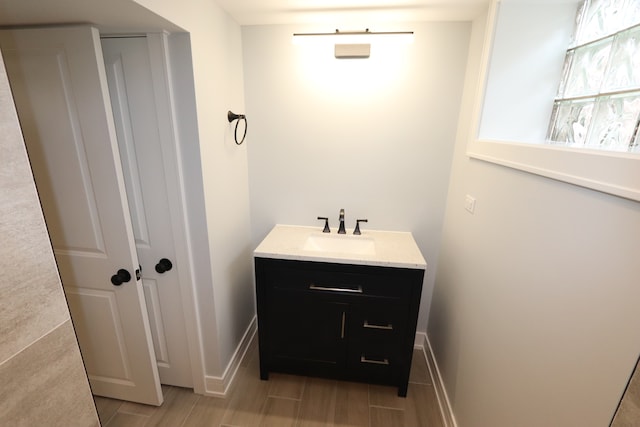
(59, 85)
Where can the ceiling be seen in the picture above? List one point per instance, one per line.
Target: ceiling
(340, 12)
(117, 16)
(126, 15)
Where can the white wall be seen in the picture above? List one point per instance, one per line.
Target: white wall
(530, 42)
(373, 136)
(534, 320)
(226, 305)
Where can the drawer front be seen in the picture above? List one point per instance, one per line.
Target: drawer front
(374, 365)
(377, 329)
(379, 320)
(342, 279)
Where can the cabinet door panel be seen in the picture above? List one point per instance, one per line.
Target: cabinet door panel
(306, 329)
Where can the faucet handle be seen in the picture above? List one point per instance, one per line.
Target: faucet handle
(357, 230)
(326, 224)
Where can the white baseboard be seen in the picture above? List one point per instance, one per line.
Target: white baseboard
(422, 342)
(218, 386)
(421, 339)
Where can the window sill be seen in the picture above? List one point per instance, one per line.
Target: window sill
(608, 172)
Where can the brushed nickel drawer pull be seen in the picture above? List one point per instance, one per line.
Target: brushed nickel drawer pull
(342, 329)
(375, 362)
(368, 325)
(315, 287)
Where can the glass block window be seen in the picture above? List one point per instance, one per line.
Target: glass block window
(598, 100)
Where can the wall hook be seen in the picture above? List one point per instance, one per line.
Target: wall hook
(233, 116)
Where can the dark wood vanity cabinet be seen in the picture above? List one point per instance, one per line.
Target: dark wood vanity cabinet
(343, 321)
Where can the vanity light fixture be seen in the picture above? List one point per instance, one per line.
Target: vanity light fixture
(365, 35)
(354, 44)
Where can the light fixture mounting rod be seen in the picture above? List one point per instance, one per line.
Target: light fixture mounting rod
(357, 33)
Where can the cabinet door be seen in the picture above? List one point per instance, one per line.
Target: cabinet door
(306, 332)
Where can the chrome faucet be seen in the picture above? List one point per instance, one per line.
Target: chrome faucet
(341, 229)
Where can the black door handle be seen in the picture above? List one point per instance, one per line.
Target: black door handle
(122, 276)
(163, 265)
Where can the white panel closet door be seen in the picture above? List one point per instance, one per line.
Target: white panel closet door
(59, 85)
(130, 79)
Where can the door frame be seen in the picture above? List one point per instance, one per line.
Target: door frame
(158, 45)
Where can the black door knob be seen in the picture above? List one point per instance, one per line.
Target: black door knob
(121, 277)
(163, 265)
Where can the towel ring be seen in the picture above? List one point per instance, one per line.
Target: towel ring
(233, 116)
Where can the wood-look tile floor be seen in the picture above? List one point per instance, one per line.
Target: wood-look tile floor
(283, 401)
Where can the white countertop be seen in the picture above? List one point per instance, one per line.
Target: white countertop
(392, 248)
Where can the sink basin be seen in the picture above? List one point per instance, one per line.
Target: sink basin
(340, 244)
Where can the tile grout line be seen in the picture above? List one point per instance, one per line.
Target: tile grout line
(134, 413)
(263, 407)
(190, 411)
(369, 402)
(386, 407)
(304, 389)
(283, 397)
(106, 424)
(226, 409)
(335, 402)
(31, 343)
(419, 383)
(298, 413)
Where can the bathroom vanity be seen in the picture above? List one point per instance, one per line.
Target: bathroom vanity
(338, 306)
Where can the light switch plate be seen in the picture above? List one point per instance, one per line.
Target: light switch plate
(470, 204)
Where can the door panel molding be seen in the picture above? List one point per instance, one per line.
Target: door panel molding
(76, 228)
(105, 356)
(128, 155)
(155, 319)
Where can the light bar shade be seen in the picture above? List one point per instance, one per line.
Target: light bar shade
(352, 51)
(355, 37)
